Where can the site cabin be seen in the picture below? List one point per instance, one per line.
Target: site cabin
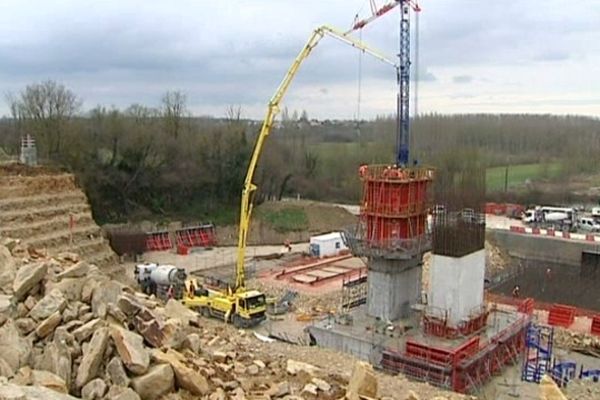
(327, 245)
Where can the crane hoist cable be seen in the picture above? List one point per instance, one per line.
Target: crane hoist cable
(272, 110)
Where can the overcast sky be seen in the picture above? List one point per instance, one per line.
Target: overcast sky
(536, 56)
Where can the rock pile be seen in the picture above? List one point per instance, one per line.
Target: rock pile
(577, 341)
(69, 331)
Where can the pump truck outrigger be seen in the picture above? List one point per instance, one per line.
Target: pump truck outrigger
(238, 305)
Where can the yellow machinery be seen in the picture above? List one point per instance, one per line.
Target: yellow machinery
(242, 307)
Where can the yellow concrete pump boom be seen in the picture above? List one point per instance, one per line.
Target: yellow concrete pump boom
(272, 110)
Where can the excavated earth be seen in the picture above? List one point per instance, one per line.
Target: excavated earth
(37, 206)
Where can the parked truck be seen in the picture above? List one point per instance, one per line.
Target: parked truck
(559, 218)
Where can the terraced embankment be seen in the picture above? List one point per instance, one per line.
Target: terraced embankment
(36, 206)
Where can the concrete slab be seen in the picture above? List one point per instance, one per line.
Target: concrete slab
(321, 274)
(337, 270)
(304, 278)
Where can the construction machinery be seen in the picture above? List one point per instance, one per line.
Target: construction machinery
(238, 305)
(163, 281)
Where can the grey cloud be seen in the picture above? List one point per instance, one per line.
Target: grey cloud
(552, 56)
(462, 79)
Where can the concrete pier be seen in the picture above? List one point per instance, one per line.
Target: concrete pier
(393, 286)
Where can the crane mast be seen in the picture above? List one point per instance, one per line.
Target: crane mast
(403, 100)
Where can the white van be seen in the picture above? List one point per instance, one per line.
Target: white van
(588, 224)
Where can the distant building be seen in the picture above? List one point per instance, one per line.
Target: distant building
(28, 154)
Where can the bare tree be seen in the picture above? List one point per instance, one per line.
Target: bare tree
(174, 110)
(45, 108)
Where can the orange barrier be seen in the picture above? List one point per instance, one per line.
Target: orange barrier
(596, 325)
(561, 315)
(590, 238)
(566, 235)
(550, 232)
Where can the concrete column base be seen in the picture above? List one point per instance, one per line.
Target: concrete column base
(394, 285)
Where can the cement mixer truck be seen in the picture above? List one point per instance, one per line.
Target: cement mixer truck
(559, 218)
(158, 279)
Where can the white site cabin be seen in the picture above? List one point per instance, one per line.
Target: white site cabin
(326, 245)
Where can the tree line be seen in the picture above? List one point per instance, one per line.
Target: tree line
(144, 162)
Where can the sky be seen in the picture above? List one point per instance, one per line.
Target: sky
(474, 56)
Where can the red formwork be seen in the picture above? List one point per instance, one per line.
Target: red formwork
(595, 330)
(395, 202)
(196, 236)
(561, 315)
(464, 368)
(158, 241)
(439, 327)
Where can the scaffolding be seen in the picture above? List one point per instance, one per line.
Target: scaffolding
(538, 352)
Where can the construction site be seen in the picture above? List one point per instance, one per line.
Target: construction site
(424, 289)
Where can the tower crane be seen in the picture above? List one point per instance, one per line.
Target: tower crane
(403, 75)
(242, 307)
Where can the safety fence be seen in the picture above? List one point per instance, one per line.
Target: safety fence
(191, 236)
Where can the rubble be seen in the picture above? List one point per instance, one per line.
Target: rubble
(92, 357)
(158, 381)
(27, 277)
(130, 347)
(70, 329)
(363, 382)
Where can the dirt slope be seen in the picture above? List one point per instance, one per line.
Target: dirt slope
(36, 206)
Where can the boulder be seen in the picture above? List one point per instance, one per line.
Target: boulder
(68, 256)
(187, 378)
(10, 391)
(121, 393)
(174, 309)
(173, 334)
(30, 302)
(70, 287)
(94, 390)
(89, 367)
(104, 294)
(8, 270)
(192, 342)
(293, 367)
(116, 372)
(47, 326)
(25, 325)
(56, 358)
(27, 277)
(51, 303)
(310, 388)
(48, 380)
(279, 389)
(158, 381)
(86, 330)
(363, 382)
(70, 313)
(218, 394)
(78, 270)
(130, 347)
(14, 349)
(129, 304)
(321, 384)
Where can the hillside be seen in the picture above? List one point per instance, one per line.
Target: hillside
(275, 222)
